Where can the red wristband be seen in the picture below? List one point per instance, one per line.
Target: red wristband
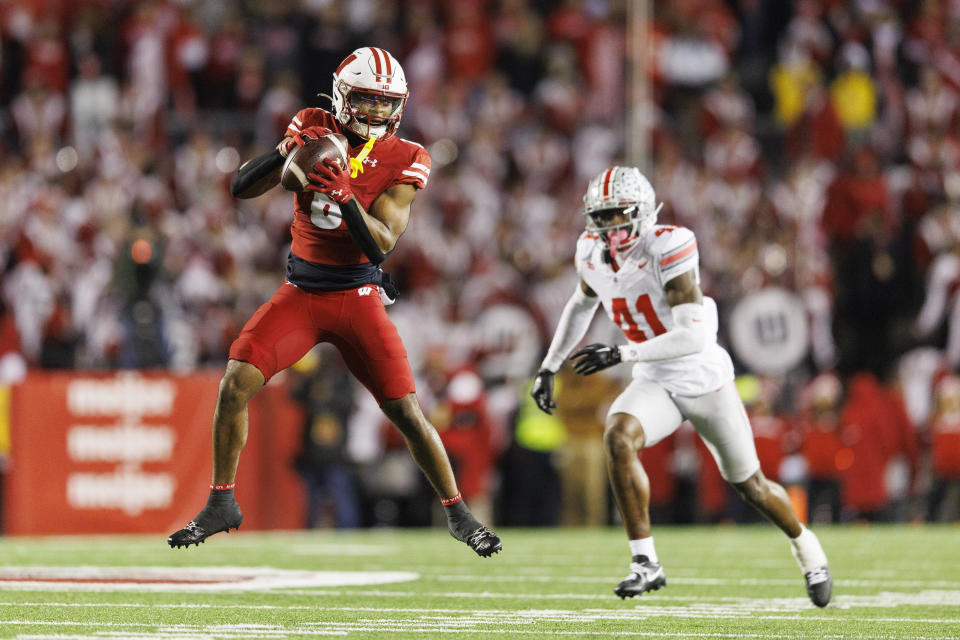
(449, 501)
(223, 487)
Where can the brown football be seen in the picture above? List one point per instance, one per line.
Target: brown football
(293, 176)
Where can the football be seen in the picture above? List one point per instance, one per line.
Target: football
(293, 176)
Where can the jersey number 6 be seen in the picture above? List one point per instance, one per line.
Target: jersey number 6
(324, 212)
(624, 320)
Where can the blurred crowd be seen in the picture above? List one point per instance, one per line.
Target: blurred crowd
(812, 145)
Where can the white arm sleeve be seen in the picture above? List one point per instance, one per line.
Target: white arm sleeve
(687, 337)
(573, 325)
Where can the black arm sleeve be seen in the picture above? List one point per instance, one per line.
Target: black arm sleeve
(254, 171)
(360, 233)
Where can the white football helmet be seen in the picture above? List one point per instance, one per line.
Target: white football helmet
(369, 71)
(620, 190)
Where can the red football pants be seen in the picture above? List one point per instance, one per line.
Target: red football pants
(354, 321)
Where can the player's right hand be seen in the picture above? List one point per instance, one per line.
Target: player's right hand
(310, 133)
(542, 390)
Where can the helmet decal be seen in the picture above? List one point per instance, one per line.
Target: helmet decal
(346, 61)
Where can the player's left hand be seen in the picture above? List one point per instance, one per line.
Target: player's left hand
(329, 178)
(595, 357)
(310, 133)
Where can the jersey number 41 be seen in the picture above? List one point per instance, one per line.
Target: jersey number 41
(648, 318)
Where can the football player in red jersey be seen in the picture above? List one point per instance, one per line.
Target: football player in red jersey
(345, 224)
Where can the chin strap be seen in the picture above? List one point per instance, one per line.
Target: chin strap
(356, 164)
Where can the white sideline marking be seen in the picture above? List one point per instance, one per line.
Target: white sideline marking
(178, 579)
(199, 632)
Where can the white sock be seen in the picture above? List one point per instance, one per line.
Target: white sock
(807, 551)
(644, 547)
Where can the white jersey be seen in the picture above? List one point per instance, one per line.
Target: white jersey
(635, 301)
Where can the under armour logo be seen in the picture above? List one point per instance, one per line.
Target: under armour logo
(364, 291)
(370, 161)
(336, 192)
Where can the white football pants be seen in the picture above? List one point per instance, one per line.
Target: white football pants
(718, 416)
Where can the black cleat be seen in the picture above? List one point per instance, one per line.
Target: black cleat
(482, 540)
(644, 576)
(819, 585)
(213, 519)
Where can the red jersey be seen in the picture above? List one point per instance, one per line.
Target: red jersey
(946, 446)
(319, 233)
(768, 436)
(821, 446)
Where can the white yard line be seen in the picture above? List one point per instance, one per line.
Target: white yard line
(197, 632)
(526, 616)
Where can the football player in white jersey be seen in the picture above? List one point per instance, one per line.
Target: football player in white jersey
(647, 278)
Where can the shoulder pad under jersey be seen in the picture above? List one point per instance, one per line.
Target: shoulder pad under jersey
(674, 249)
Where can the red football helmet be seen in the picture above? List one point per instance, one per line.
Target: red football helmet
(370, 92)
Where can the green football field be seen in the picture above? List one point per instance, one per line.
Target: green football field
(723, 582)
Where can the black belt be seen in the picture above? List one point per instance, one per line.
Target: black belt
(337, 277)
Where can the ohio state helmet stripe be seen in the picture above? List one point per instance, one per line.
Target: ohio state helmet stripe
(606, 183)
(349, 59)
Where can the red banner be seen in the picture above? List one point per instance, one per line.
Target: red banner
(129, 452)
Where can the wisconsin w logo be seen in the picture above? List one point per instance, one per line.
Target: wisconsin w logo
(364, 291)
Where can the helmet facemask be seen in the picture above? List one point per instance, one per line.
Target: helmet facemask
(373, 114)
(618, 228)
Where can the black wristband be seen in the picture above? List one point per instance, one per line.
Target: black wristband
(254, 171)
(360, 233)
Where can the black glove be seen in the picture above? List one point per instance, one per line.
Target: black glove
(389, 286)
(594, 357)
(542, 390)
